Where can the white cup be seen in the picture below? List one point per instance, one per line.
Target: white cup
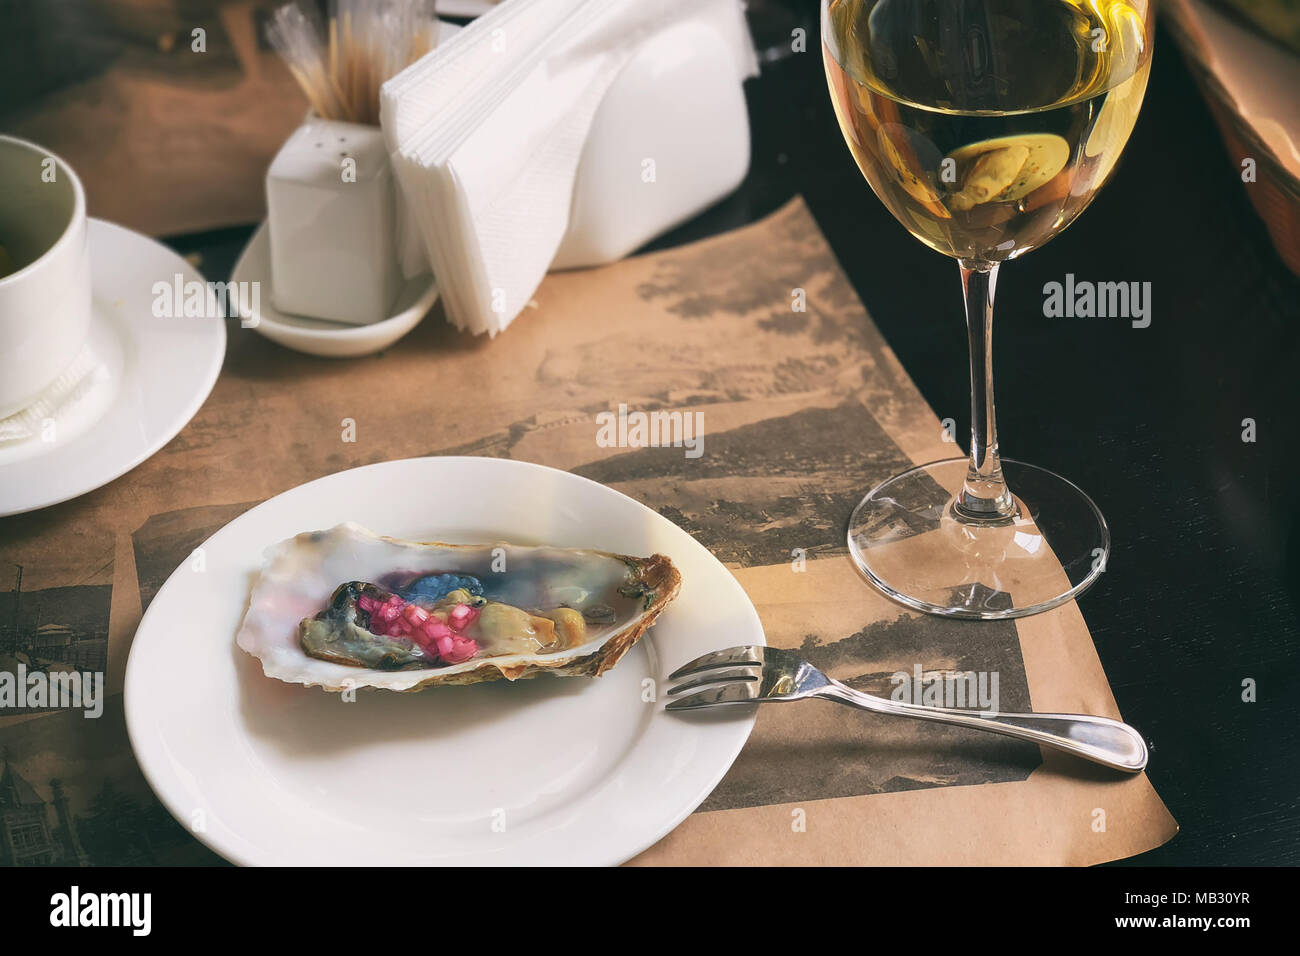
(45, 301)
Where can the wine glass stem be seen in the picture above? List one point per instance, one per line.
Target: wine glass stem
(984, 495)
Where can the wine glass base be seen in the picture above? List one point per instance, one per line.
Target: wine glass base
(907, 539)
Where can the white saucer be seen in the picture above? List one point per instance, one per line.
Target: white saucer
(553, 770)
(316, 336)
(152, 375)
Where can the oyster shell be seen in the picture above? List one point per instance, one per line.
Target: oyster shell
(539, 610)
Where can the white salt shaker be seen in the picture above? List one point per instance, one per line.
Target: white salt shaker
(330, 211)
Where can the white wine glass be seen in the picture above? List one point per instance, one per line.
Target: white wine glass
(985, 127)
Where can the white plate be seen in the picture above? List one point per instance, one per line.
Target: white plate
(575, 770)
(316, 336)
(153, 375)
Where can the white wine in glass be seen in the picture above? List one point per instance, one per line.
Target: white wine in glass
(986, 127)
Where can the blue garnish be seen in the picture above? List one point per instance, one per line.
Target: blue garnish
(432, 588)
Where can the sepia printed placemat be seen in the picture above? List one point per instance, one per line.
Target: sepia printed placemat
(803, 408)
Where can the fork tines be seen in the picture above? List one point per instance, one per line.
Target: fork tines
(727, 657)
(729, 676)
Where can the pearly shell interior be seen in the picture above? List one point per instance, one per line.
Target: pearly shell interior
(299, 576)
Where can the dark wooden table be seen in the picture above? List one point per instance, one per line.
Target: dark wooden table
(1203, 585)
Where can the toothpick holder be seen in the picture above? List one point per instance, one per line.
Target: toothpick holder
(330, 209)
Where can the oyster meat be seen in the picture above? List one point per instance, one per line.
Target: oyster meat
(348, 608)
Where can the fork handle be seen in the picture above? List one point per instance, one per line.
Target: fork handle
(1099, 739)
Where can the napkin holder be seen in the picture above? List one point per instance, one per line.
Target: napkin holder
(669, 140)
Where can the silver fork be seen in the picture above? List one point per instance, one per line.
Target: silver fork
(751, 674)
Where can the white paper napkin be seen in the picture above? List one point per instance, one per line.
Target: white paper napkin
(487, 131)
(60, 397)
